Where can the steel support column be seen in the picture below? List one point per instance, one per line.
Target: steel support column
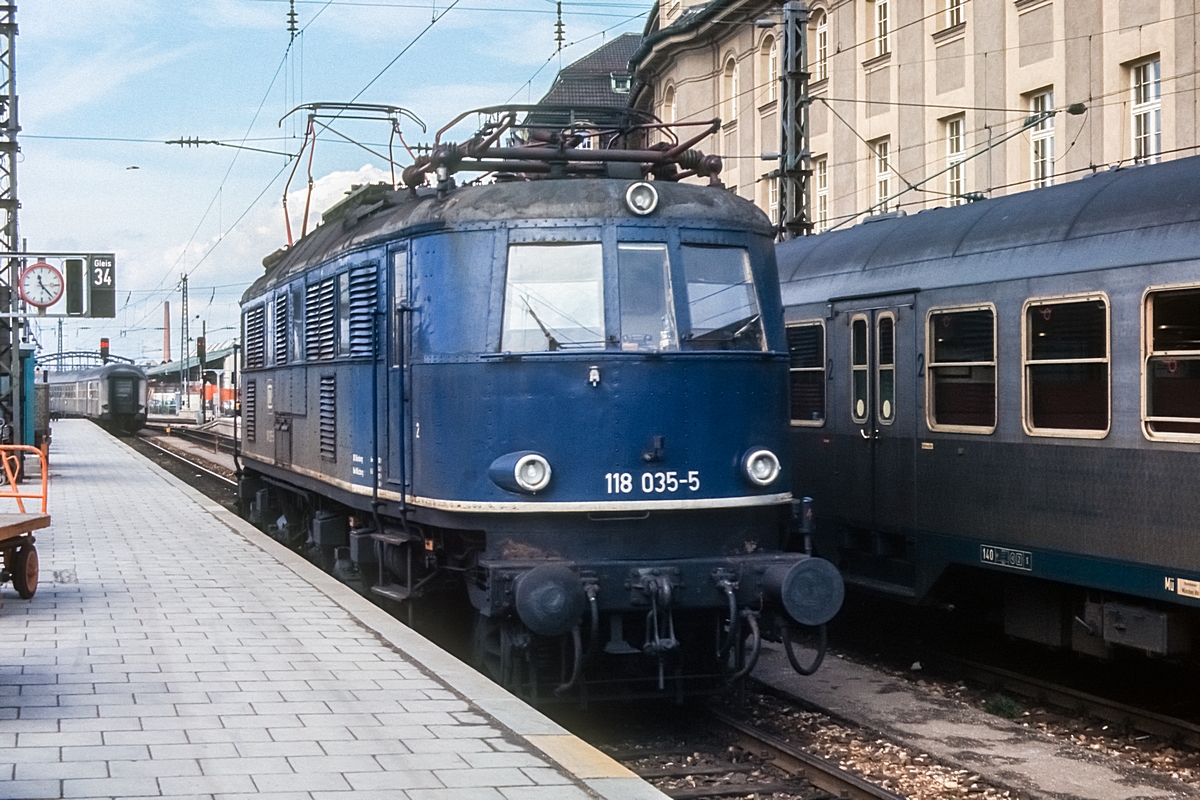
(795, 162)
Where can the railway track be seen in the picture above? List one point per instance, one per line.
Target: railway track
(1072, 700)
(722, 756)
(217, 441)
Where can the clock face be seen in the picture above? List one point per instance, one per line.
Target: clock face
(41, 285)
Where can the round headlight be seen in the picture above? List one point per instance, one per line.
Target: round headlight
(762, 467)
(641, 198)
(532, 472)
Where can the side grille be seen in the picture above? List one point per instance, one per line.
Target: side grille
(281, 328)
(318, 320)
(363, 281)
(249, 403)
(255, 338)
(329, 417)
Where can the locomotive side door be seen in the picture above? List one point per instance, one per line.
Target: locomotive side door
(396, 404)
(882, 410)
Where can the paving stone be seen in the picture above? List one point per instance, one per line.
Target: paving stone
(195, 658)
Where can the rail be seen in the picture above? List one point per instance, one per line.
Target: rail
(10, 454)
(820, 772)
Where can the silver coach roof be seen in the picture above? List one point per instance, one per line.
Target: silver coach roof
(1116, 218)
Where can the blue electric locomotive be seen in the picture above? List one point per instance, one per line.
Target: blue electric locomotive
(561, 392)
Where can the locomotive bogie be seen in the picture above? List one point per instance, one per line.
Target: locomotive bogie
(1039, 417)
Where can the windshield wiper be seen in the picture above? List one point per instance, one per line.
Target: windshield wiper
(554, 345)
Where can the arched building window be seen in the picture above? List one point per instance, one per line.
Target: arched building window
(819, 45)
(729, 90)
(769, 53)
(669, 112)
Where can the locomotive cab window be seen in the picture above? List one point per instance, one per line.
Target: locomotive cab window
(721, 299)
(806, 376)
(960, 385)
(553, 298)
(647, 306)
(1172, 369)
(1066, 367)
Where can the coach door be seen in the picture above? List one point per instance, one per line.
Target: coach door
(882, 396)
(396, 407)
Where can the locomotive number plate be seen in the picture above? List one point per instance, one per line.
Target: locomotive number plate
(1003, 557)
(652, 482)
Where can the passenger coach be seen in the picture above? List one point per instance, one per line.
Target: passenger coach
(1001, 401)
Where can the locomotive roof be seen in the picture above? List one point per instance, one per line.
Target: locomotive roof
(349, 226)
(1121, 217)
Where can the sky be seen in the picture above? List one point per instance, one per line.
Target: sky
(102, 84)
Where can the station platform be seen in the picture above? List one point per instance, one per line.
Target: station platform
(172, 650)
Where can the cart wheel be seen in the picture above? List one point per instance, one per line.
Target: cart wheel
(25, 571)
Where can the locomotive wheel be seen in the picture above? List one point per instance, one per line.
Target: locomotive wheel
(25, 571)
(488, 649)
(498, 655)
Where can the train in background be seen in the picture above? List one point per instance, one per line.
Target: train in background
(113, 395)
(999, 404)
(559, 395)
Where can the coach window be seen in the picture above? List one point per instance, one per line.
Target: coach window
(885, 368)
(647, 309)
(806, 351)
(553, 298)
(961, 385)
(343, 313)
(1066, 367)
(721, 300)
(859, 369)
(1172, 371)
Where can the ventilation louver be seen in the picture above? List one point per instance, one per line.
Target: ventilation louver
(281, 328)
(329, 417)
(249, 410)
(318, 321)
(363, 281)
(255, 338)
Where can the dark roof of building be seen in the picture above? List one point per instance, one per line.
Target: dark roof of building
(589, 81)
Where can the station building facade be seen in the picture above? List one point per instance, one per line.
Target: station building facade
(933, 94)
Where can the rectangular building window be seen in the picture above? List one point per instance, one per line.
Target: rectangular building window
(955, 153)
(1041, 137)
(773, 199)
(1066, 367)
(883, 40)
(954, 13)
(821, 171)
(961, 383)
(1172, 373)
(1147, 112)
(883, 175)
(806, 350)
